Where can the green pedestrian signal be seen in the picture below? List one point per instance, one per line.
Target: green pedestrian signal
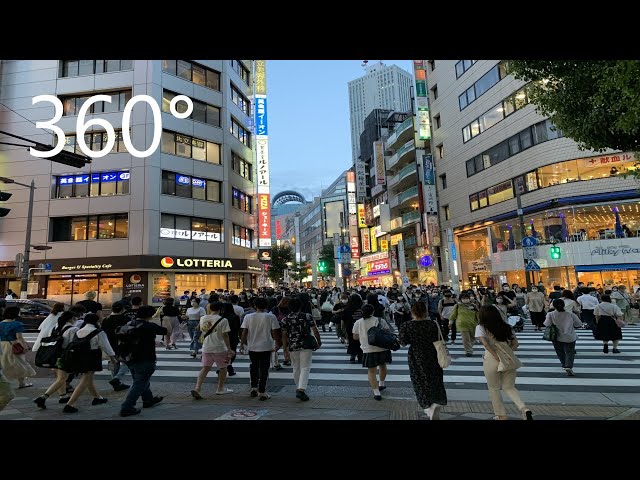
(322, 266)
(555, 253)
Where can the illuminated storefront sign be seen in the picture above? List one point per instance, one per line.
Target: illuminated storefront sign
(261, 116)
(355, 247)
(361, 181)
(379, 267)
(366, 240)
(264, 220)
(396, 238)
(361, 216)
(261, 77)
(374, 240)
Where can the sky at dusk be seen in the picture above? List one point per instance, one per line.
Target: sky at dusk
(309, 132)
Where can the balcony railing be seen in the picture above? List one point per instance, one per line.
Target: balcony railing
(392, 160)
(410, 242)
(407, 194)
(406, 148)
(394, 202)
(411, 264)
(400, 129)
(411, 217)
(391, 181)
(406, 171)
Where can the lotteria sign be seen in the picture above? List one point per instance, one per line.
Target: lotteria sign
(169, 262)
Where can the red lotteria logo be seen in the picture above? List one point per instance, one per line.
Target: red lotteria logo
(167, 262)
(135, 278)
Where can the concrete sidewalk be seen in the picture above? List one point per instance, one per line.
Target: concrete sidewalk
(327, 403)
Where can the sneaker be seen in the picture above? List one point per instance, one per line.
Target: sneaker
(286, 363)
(69, 409)
(605, 349)
(527, 415)
(615, 350)
(114, 382)
(231, 371)
(224, 391)
(196, 394)
(128, 413)
(434, 411)
(469, 354)
(99, 401)
(154, 401)
(120, 387)
(569, 372)
(300, 394)
(40, 402)
(378, 397)
(63, 400)
(382, 387)
(253, 392)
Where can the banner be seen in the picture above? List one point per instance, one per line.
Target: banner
(355, 247)
(384, 245)
(366, 240)
(379, 159)
(430, 200)
(264, 220)
(368, 214)
(361, 181)
(374, 240)
(361, 218)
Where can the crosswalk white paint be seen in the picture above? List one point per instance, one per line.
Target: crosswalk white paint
(595, 370)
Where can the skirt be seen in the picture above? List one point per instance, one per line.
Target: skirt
(606, 329)
(537, 318)
(375, 359)
(14, 367)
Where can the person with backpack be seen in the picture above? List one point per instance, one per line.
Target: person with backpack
(110, 325)
(216, 348)
(65, 331)
(88, 344)
(48, 324)
(136, 341)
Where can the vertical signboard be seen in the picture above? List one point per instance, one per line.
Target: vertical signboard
(374, 239)
(361, 181)
(278, 229)
(423, 121)
(381, 170)
(262, 154)
(355, 247)
(368, 213)
(366, 240)
(430, 203)
(351, 199)
(361, 218)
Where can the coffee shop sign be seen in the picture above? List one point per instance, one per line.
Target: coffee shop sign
(104, 266)
(615, 251)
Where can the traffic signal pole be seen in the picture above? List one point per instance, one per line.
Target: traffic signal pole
(27, 245)
(523, 234)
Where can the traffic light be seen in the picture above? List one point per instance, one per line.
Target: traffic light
(4, 196)
(322, 266)
(555, 253)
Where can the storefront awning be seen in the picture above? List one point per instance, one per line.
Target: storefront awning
(608, 267)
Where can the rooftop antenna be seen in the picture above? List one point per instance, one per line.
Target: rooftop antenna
(364, 64)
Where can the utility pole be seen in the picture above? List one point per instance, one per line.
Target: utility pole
(27, 244)
(522, 235)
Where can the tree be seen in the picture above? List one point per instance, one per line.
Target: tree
(595, 103)
(326, 254)
(279, 258)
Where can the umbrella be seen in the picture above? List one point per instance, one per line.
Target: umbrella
(619, 232)
(512, 243)
(564, 234)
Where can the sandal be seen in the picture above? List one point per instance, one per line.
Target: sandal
(26, 385)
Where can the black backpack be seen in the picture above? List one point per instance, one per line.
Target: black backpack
(128, 336)
(51, 348)
(77, 356)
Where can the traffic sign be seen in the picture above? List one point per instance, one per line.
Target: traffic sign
(530, 252)
(532, 266)
(345, 258)
(529, 241)
(346, 272)
(345, 249)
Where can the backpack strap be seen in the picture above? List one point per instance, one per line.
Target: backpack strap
(212, 328)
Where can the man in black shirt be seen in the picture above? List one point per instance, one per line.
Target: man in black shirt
(90, 305)
(110, 325)
(143, 362)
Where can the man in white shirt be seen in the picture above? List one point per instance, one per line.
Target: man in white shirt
(588, 301)
(216, 348)
(236, 308)
(261, 335)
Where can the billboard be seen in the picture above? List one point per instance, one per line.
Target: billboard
(361, 181)
(379, 159)
(361, 216)
(366, 240)
(430, 201)
(264, 220)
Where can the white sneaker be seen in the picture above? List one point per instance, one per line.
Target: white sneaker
(224, 391)
(434, 411)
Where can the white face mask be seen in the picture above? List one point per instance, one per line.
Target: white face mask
(344, 301)
(506, 289)
(534, 289)
(465, 300)
(499, 300)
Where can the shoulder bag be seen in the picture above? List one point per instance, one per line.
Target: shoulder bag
(309, 341)
(550, 333)
(205, 335)
(444, 359)
(508, 359)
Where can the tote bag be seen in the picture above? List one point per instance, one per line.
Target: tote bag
(444, 359)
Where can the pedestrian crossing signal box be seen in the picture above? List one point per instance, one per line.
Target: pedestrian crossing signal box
(322, 266)
(555, 253)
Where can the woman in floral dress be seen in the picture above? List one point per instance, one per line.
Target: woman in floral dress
(426, 374)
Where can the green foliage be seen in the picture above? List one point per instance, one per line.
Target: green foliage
(595, 103)
(326, 255)
(279, 258)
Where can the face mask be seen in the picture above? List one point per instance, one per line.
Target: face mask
(593, 294)
(465, 300)
(434, 294)
(489, 291)
(344, 301)
(313, 296)
(505, 289)
(614, 289)
(499, 300)
(534, 289)
(194, 304)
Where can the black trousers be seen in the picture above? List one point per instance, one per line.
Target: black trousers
(259, 369)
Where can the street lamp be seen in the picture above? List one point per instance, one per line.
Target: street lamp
(27, 243)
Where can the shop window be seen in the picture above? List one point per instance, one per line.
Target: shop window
(60, 289)
(482, 199)
(558, 173)
(110, 290)
(501, 192)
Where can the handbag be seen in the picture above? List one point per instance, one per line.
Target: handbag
(550, 333)
(17, 348)
(508, 359)
(444, 359)
(309, 341)
(327, 306)
(383, 338)
(315, 313)
(619, 322)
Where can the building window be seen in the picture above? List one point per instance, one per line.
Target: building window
(443, 179)
(432, 65)
(75, 68)
(241, 200)
(190, 187)
(440, 149)
(240, 132)
(95, 141)
(190, 228)
(64, 229)
(497, 113)
(71, 104)
(447, 212)
(241, 166)
(242, 236)
(436, 120)
(241, 101)
(193, 72)
(92, 184)
(190, 147)
(202, 112)
(434, 92)
(482, 85)
(500, 193)
(462, 66)
(241, 70)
